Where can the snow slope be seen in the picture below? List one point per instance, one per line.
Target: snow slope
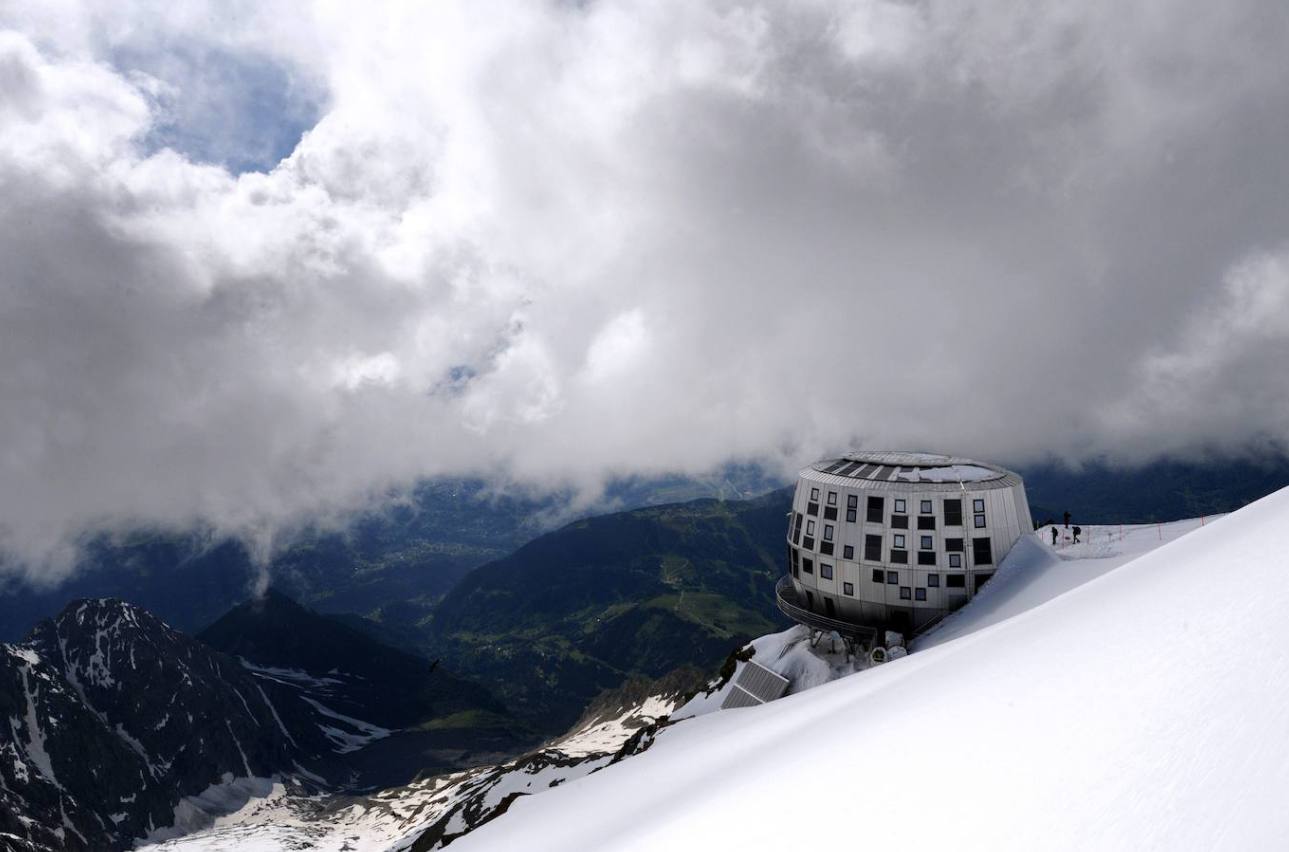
(1144, 709)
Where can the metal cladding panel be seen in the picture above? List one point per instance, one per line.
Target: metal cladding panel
(740, 698)
(761, 682)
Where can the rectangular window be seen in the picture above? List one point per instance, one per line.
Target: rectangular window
(980, 522)
(977, 505)
(955, 581)
(828, 532)
(810, 527)
(892, 578)
(899, 540)
(900, 506)
(848, 552)
(848, 589)
(825, 547)
(906, 594)
(926, 542)
(933, 580)
(852, 515)
(899, 522)
(873, 548)
(825, 570)
(919, 594)
(812, 509)
(926, 557)
(796, 529)
(830, 513)
(808, 565)
(926, 522)
(808, 543)
(955, 560)
(953, 513)
(925, 507)
(879, 576)
(852, 501)
(953, 545)
(875, 508)
(814, 494)
(900, 557)
(982, 551)
(832, 498)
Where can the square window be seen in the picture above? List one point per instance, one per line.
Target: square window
(879, 576)
(892, 578)
(899, 522)
(852, 501)
(953, 513)
(955, 581)
(919, 594)
(906, 594)
(828, 528)
(982, 551)
(900, 557)
(808, 543)
(814, 493)
(852, 515)
(900, 506)
(812, 509)
(825, 570)
(953, 545)
(980, 521)
(832, 498)
(933, 580)
(899, 540)
(848, 552)
(873, 548)
(825, 547)
(926, 557)
(848, 589)
(955, 560)
(977, 505)
(925, 507)
(808, 565)
(874, 511)
(927, 542)
(830, 513)
(926, 522)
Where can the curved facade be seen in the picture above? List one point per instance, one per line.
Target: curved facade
(897, 540)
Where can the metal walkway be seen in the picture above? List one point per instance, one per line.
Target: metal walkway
(785, 595)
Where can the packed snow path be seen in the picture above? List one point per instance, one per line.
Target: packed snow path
(1144, 709)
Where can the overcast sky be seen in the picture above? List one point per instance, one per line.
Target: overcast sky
(262, 261)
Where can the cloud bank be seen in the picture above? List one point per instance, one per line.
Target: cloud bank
(553, 243)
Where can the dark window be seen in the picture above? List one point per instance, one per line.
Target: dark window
(899, 522)
(933, 580)
(808, 565)
(830, 513)
(808, 543)
(878, 575)
(848, 588)
(955, 581)
(906, 594)
(900, 557)
(926, 542)
(828, 532)
(873, 548)
(825, 570)
(925, 507)
(848, 552)
(980, 521)
(810, 600)
(825, 547)
(919, 594)
(900, 506)
(982, 552)
(796, 529)
(953, 513)
(926, 557)
(812, 508)
(814, 493)
(953, 545)
(977, 505)
(832, 498)
(981, 579)
(892, 578)
(828, 607)
(792, 562)
(955, 560)
(852, 501)
(926, 522)
(852, 515)
(874, 513)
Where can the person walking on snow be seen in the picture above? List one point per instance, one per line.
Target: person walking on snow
(1053, 535)
(1077, 530)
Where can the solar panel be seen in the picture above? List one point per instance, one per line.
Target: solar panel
(754, 685)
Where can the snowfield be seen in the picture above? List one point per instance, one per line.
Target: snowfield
(1144, 709)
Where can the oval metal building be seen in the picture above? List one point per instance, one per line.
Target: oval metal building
(894, 540)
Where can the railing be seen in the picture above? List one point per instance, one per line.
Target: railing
(785, 595)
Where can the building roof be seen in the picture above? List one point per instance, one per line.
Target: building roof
(900, 471)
